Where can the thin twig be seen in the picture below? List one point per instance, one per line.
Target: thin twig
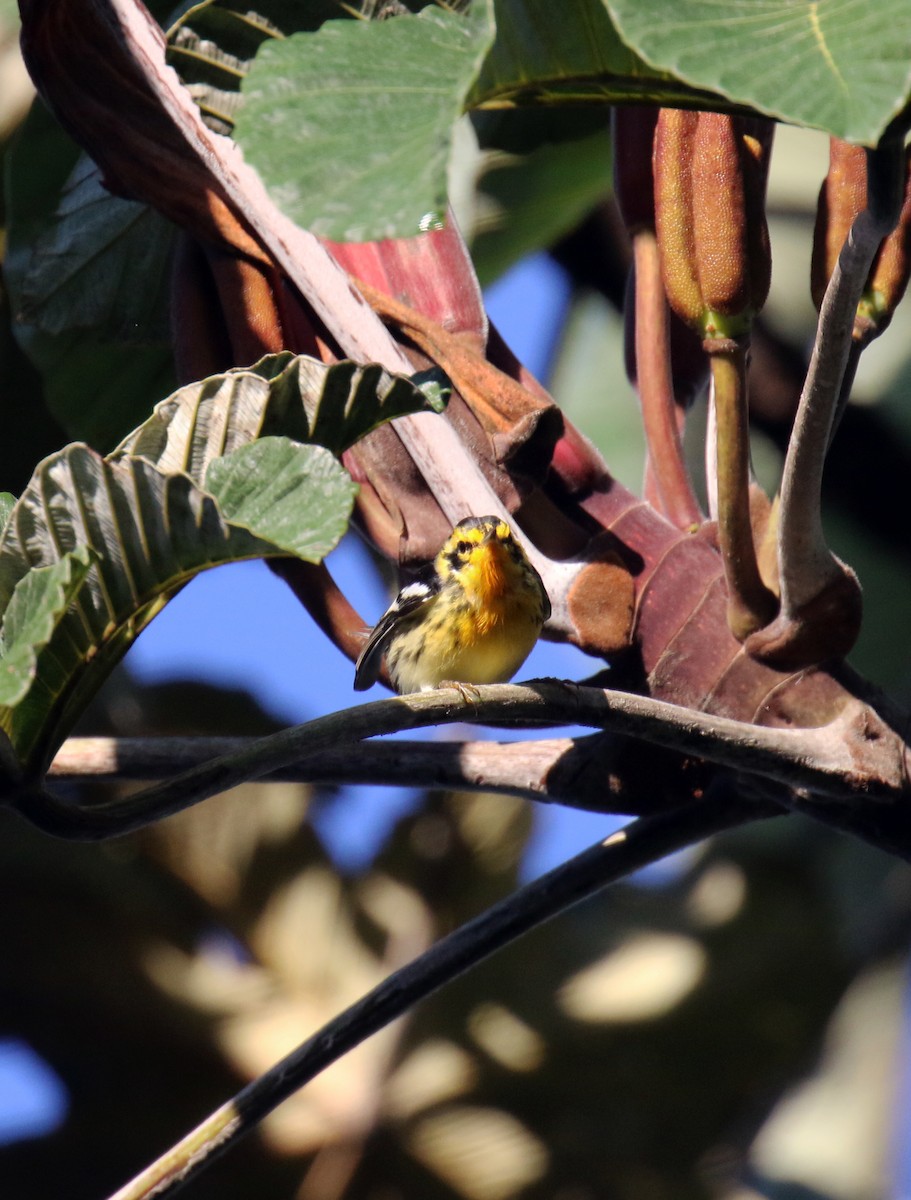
(856, 754)
(806, 565)
(644, 841)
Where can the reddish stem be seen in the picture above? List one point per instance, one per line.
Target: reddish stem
(653, 373)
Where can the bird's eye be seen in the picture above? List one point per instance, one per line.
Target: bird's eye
(463, 547)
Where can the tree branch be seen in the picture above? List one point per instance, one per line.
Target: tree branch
(514, 768)
(576, 772)
(856, 755)
(644, 841)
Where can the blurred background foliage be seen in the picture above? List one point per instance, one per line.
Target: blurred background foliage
(730, 1027)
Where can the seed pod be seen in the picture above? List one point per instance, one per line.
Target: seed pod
(710, 180)
(674, 137)
(842, 197)
(889, 276)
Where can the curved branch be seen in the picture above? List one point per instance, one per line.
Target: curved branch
(644, 841)
(514, 768)
(858, 754)
(574, 772)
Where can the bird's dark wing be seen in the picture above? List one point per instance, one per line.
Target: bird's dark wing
(409, 600)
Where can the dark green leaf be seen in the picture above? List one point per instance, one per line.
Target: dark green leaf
(97, 388)
(36, 608)
(102, 262)
(350, 127)
(297, 497)
(547, 51)
(87, 286)
(148, 531)
(839, 65)
(344, 402)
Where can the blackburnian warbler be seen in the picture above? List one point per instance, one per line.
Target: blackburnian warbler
(474, 619)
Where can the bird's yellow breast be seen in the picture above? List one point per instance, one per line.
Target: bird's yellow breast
(486, 645)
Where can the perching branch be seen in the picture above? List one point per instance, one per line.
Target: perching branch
(857, 754)
(644, 841)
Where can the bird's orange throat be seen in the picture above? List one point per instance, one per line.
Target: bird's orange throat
(490, 575)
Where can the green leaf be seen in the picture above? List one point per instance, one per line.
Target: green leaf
(212, 44)
(350, 127)
(297, 497)
(101, 262)
(839, 65)
(97, 389)
(296, 397)
(148, 517)
(434, 386)
(86, 274)
(549, 52)
(36, 608)
(148, 532)
(344, 402)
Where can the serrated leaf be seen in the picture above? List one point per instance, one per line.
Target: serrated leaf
(353, 400)
(281, 395)
(148, 531)
(839, 65)
(350, 127)
(434, 386)
(296, 497)
(37, 606)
